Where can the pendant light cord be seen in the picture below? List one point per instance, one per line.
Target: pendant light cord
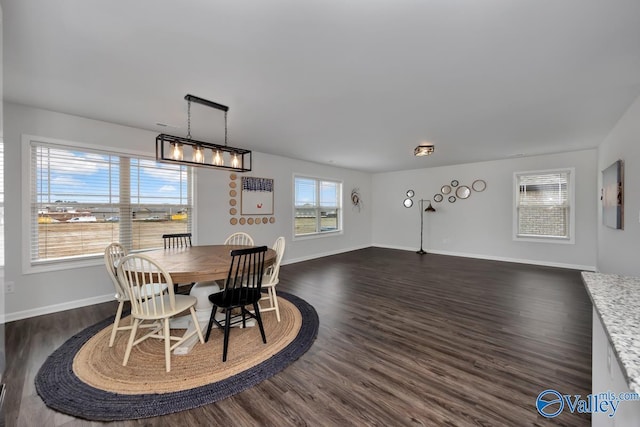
(189, 119)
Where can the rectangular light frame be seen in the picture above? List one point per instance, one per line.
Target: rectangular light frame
(164, 149)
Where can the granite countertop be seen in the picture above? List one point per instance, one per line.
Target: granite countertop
(617, 301)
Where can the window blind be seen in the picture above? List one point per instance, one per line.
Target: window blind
(543, 204)
(82, 200)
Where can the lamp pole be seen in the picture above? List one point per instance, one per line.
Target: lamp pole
(422, 211)
(421, 251)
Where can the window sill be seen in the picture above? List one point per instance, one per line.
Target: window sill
(318, 235)
(58, 265)
(544, 239)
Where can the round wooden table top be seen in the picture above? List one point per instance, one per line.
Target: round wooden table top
(200, 263)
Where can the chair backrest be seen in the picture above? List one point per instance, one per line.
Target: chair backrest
(113, 254)
(178, 240)
(239, 238)
(271, 273)
(141, 275)
(245, 275)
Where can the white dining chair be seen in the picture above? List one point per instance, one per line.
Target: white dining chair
(138, 272)
(270, 279)
(239, 238)
(113, 254)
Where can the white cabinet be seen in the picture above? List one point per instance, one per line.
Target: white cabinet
(607, 376)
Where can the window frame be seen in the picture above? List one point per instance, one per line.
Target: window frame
(80, 261)
(318, 207)
(571, 178)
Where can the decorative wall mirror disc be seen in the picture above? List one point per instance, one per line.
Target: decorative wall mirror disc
(410, 193)
(445, 189)
(407, 203)
(463, 192)
(452, 199)
(454, 183)
(437, 198)
(479, 185)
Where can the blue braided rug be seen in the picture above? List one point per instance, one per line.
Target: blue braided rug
(63, 391)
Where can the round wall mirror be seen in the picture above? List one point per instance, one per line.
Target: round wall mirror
(454, 183)
(479, 185)
(410, 193)
(437, 198)
(407, 203)
(452, 199)
(445, 189)
(463, 192)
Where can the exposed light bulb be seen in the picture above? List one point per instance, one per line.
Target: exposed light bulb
(198, 155)
(234, 161)
(176, 151)
(217, 159)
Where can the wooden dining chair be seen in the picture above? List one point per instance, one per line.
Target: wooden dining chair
(137, 272)
(113, 254)
(242, 288)
(178, 240)
(239, 238)
(270, 280)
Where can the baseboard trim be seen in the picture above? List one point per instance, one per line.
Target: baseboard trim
(496, 258)
(19, 315)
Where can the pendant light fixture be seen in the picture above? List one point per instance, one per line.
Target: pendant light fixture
(170, 148)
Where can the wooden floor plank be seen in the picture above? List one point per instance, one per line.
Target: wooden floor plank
(404, 339)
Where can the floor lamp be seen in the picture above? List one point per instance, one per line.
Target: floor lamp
(422, 211)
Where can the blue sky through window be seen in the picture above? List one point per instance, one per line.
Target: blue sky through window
(306, 192)
(93, 178)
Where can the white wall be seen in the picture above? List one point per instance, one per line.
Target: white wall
(619, 250)
(481, 226)
(41, 293)
(213, 213)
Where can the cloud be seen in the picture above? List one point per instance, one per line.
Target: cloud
(168, 189)
(66, 161)
(65, 180)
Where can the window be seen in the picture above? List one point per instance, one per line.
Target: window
(318, 206)
(83, 199)
(544, 202)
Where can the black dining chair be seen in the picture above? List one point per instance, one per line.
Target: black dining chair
(242, 288)
(178, 240)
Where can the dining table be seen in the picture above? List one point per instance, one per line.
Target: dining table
(189, 264)
(206, 266)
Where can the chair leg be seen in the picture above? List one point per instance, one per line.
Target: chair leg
(167, 345)
(132, 336)
(259, 319)
(244, 316)
(116, 323)
(274, 302)
(227, 329)
(196, 325)
(211, 318)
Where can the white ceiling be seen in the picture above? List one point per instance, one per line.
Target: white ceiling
(357, 83)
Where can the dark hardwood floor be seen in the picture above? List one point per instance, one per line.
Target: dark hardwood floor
(404, 339)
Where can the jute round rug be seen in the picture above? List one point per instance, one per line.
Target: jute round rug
(85, 378)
